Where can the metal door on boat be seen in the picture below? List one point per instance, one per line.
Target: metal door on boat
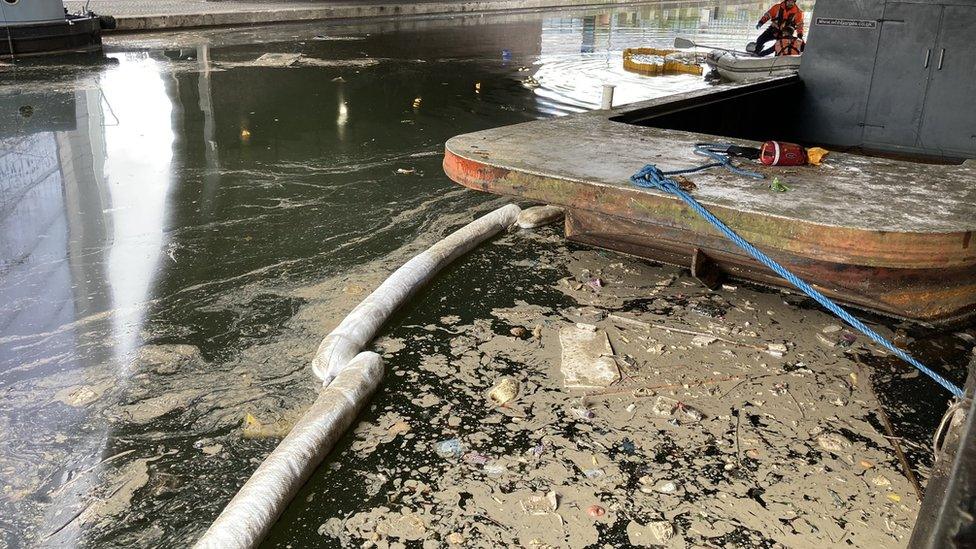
(901, 72)
(949, 117)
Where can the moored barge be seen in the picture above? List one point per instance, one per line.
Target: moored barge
(44, 27)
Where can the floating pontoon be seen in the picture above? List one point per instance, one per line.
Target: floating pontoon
(856, 226)
(885, 224)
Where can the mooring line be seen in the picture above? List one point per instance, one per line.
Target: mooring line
(650, 176)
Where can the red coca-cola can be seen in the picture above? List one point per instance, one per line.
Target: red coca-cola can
(780, 153)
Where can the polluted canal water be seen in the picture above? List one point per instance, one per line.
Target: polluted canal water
(187, 216)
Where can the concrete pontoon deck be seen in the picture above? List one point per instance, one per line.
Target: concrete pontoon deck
(892, 236)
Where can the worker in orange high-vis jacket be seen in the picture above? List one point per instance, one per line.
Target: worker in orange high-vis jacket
(787, 44)
(782, 15)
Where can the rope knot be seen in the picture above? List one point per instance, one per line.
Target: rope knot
(651, 177)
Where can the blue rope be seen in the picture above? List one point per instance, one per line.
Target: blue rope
(720, 158)
(651, 177)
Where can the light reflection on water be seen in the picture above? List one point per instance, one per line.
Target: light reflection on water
(138, 175)
(94, 187)
(141, 197)
(580, 54)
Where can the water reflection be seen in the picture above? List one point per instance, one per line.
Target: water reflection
(51, 204)
(342, 113)
(209, 134)
(138, 169)
(580, 54)
(82, 202)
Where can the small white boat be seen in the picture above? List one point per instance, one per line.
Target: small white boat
(740, 67)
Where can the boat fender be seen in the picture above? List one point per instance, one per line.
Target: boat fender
(781, 153)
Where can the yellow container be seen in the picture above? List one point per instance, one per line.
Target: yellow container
(656, 69)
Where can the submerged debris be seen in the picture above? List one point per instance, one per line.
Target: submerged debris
(253, 428)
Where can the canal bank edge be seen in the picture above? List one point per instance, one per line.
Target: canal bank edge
(264, 15)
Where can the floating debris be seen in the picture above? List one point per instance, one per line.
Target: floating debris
(323, 37)
(653, 533)
(777, 186)
(685, 184)
(450, 448)
(666, 487)
(880, 481)
(777, 350)
(253, 428)
(703, 340)
(540, 504)
(292, 60)
(583, 413)
(833, 442)
(664, 406)
(595, 511)
(815, 155)
(277, 59)
(475, 458)
(689, 412)
(587, 358)
(504, 392)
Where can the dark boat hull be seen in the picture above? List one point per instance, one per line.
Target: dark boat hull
(73, 35)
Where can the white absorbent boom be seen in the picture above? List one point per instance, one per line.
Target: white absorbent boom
(349, 376)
